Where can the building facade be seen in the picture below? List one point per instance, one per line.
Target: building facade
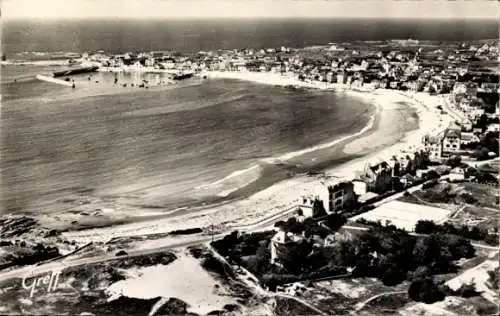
(451, 142)
(378, 177)
(433, 147)
(341, 196)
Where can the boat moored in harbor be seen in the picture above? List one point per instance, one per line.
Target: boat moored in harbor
(75, 71)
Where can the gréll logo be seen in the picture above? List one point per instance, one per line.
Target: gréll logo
(48, 281)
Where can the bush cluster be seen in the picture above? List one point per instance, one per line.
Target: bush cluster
(474, 233)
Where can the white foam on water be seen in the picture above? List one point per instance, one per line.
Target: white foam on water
(294, 154)
(236, 180)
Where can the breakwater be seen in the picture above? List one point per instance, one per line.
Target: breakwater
(54, 80)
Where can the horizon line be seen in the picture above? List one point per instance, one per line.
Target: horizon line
(174, 18)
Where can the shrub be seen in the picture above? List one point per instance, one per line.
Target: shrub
(392, 276)
(335, 221)
(467, 290)
(421, 272)
(466, 197)
(491, 239)
(454, 161)
(424, 290)
(430, 184)
(272, 280)
(493, 279)
(425, 227)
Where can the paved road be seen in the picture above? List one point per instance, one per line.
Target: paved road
(454, 113)
(398, 195)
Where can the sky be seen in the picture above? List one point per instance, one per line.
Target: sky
(174, 9)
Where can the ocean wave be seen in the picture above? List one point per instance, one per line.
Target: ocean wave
(241, 178)
(290, 155)
(60, 62)
(190, 105)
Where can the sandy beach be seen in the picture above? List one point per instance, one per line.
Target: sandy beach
(380, 140)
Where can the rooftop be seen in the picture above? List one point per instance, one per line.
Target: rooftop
(450, 132)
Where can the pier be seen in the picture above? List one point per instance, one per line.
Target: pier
(54, 80)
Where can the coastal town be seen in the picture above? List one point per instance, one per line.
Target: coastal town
(411, 230)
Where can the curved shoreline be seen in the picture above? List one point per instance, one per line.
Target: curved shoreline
(280, 190)
(292, 161)
(276, 197)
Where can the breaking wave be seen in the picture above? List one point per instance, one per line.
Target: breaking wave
(241, 178)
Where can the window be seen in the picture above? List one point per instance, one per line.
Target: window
(338, 202)
(339, 194)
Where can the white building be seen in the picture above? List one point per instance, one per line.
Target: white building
(360, 187)
(493, 127)
(467, 138)
(457, 174)
(451, 142)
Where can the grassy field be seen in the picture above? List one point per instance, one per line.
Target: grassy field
(482, 212)
(339, 297)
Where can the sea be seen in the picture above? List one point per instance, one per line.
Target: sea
(199, 142)
(118, 35)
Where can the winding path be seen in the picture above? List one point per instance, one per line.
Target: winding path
(361, 305)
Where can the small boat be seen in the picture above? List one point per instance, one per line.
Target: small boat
(75, 71)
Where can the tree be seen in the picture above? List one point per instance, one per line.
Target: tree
(476, 233)
(425, 227)
(300, 212)
(454, 161)
(344, 254)
(480, 154)
(426, 291)
(491, 239)
(392, 275)
(296, 253)
(426, 250)
(466, 197)
(421, 272)
(485, 177)
(318, 208)
(431, 175)
(312, 228)
(490, 141)
(458, 247)
(494, 277)
(335, 221)
(482, 122)
(467, 290)
(259, 263)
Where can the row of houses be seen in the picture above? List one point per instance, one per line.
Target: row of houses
(376, 178)
(452, 141)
